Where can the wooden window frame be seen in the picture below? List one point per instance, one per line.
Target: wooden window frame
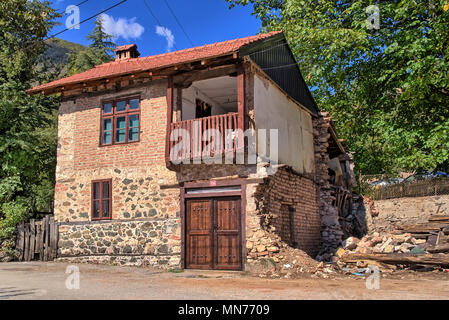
(101, 200)
(114, 115)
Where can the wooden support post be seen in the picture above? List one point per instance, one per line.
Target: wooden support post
(241, 105)
(178, 105)
(169, 119)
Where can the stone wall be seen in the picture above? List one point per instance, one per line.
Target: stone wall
(331, 231)
(138, 242)
(384, 215)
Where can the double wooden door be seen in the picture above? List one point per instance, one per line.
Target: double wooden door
(213, 233)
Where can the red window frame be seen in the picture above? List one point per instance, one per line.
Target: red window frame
(101, 199)
(114, 115)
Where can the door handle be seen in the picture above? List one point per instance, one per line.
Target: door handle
(215, 227)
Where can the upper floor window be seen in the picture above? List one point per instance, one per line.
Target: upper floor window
(120, 121)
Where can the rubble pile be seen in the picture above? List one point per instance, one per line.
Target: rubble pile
(418, 245)
(290, 263)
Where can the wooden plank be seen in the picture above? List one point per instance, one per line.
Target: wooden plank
(438, 218)
(46, 238)
(439, 248)
(41, 240)
(32, 239)
(53, 240)
(27, 242)
(38, 237)
(401, 258)
(20, 243)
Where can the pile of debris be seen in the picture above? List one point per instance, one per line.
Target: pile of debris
(289, 263)
(418, 245)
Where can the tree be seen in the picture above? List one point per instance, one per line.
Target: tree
(27, 124)
(386, 88)
(99, 50)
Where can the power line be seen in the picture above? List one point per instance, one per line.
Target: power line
(76, 5)
(179, 23)
(155, 18)
(85, 20)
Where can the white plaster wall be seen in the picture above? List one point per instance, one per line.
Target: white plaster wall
(273, 110)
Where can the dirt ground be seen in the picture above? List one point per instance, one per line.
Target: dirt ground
(40, 280)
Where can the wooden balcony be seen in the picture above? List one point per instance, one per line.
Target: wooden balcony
(205, 137)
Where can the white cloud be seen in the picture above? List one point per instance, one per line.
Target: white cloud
(168, 35)
(122, 27)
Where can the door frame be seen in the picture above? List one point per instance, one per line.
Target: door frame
(214, 184)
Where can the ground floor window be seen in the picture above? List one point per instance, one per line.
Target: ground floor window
(101, 199)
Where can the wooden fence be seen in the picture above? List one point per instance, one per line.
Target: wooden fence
(431, 187)
(37, 240)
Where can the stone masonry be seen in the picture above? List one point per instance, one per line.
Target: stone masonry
(331, 232)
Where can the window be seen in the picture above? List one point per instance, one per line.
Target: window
(120, 121)
(101, 199)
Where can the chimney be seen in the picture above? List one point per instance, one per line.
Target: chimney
(128, 51)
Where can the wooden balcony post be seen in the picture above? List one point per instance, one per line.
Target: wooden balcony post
(169, 119)
(241, 103)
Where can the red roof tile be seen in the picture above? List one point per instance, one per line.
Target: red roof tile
(117, 68)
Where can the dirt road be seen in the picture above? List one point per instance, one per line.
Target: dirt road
(36, 280)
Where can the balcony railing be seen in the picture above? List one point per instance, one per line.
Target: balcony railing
(205, 137)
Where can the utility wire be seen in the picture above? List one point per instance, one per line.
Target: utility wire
(85, 20)
(155, 17)
(179, 23)
(76, 5)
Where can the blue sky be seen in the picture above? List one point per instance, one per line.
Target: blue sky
(205, 21)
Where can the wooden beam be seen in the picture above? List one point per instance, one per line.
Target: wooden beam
(400, 258)
(241, 103)
(185, 80)
(170, 88)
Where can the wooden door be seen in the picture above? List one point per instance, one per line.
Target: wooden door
(213, 233)
(227, 235)
(199, 235)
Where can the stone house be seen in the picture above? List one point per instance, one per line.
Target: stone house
(155, 165)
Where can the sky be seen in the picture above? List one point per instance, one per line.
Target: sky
(205, 22)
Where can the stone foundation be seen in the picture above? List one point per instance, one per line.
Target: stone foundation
(154, 242)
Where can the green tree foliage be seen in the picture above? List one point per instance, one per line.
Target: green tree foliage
(99, 50)
(387, 88)
(27, 123)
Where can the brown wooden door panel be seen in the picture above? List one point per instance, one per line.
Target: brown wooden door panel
(227, 233)
(228, 252)
(199, 235)
(213, 233)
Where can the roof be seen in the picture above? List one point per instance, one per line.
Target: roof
(129, 66)
(125, 47)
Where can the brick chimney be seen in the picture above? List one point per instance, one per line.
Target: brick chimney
(128, 51)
